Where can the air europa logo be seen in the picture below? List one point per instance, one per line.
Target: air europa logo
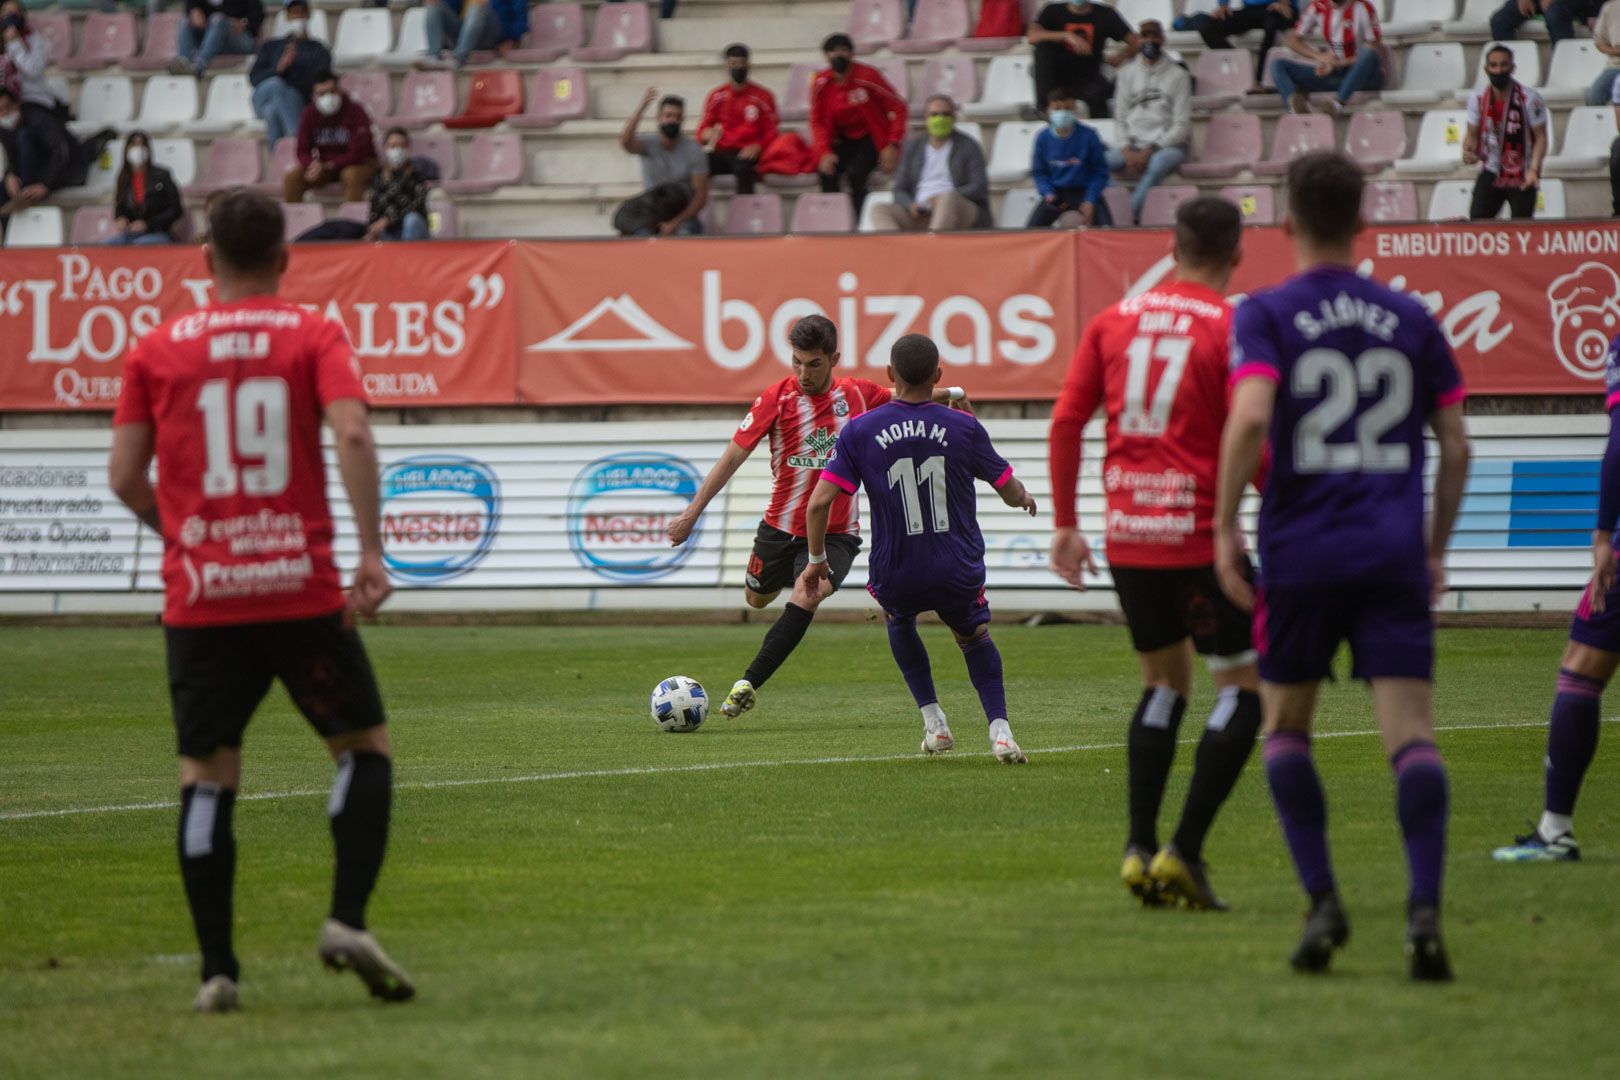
(440, 516)
(618, 509)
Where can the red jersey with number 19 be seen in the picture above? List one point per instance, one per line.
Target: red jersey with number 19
(235, 394)
(1157, 363)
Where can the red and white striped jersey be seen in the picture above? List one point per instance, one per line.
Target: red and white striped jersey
(1345, 28)
(803, 430)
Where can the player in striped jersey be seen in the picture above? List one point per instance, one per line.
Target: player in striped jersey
(803, 415)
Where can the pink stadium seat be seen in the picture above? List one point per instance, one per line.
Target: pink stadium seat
(795, 99)
(58, 30)
(1118, 201)
(822, 213)
(1159, 208)
(1221, 76)
(358, 212)
(1295, 137)
(494, 160)
(229, 163)
(158, 47)
(1389, 201)
(935, 25)
(444, 226)
(1278, 52)
(1376, 139)
(425, 98)
(1258, 202)
(555, 95)
(372, 90)
(554, 31)
(493, 96)
(619, 30)
(952, 75)
(300, 218)
(108, 39)
(1231, 145)
(91, 225)
(875, 23)
(442, 149)
(754, 215)
(283, 156)
(895, 70)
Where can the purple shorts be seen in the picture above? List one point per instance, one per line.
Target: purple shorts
(1390, 628)
(1599, 630)
(962, 612)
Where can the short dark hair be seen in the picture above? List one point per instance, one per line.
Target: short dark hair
(814, 333)
(401, 132)
(914, 358)
(245, 232)
(672, 99)
(738, 51)
(324, 75)
(1324, 195)
(1207, 231)
(946, 98)
(838, 41)
(1059, 93)
(1497, 47)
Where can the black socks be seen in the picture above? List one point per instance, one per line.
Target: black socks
(780, 641)
(1228, 740)
(1150, 750)
(208, 868)
(361, 797)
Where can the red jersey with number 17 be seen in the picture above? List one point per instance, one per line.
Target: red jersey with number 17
(1157, 363)
(235, 394)
(803, 430)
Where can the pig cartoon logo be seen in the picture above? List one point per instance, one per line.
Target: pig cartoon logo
(1586, 314)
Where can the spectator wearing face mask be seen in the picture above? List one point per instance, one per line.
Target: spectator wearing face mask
(41, 155)
(284, 74)
(334, 145)
(1153, 103)
(27, 53)
(941, 185)
(213, 28)
(1069, 168)
(674, 173)
(146, 200)
(398, 193)
(857, 121)
(739, 122)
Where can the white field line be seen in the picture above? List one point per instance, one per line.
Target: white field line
(659, 770)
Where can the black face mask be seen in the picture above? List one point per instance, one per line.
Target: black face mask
(1152, 50)
(669, 131)
(839, 64)
(1501, 79)
(739, 75)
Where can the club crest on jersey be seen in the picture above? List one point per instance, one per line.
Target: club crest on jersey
(819, 445)
(840, 407)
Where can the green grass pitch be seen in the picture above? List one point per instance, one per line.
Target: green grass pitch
(781, 914)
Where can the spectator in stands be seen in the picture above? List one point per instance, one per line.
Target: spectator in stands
(215, 28)
(27, 55)
(1069, 40)
(472, 26)
(284, 72)
(1347, 62)
(41, 155)
(1507, 137)
(398, 193)
(942, 184)
(1606, 39)
(1561, 17)
(146, 200)
(1070, 169)
(1270, 17)
(334, 145)
(1154, 103)
(739, 122)
(671, 162)
(857, 121)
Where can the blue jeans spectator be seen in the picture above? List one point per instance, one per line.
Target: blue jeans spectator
(480, 29)
(279, 105)
(1602, 90)
(1366, 73)
(198, 47)
(414, 227)
(1561, 16)
(1165, 160)
(142, 240)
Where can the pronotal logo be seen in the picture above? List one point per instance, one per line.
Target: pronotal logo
(440, 516)
(618, 509)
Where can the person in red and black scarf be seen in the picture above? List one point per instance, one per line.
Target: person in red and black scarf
(1507, 137)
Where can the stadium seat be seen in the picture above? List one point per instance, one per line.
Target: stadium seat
(1575, 64)
(1551, 204)
(1016, 206)
(1135, 11)
(1010, 153)
(1409, 18)
(1257, 202)
(104, 170)
(493, 160)
(555, 95)
(158, 46)
(38, 226)
(104, 101)
(754, 215)
(57, 28)
(170, 101)
(1376, 140)
(228, 106)
(1450, 200)
(107, 39)
(1434, 71)
(972, 129)
(1008, 87)
(1231, 144)
(283, 156)
(875, 23)
(179, 156)
(1527, 57)
(412, 43)
(425, 98)
(1118, 201)
(357, 212)
(1159, 208)
(1389, 201)
(1107, 130)
(1473, 20)
(441, 148)
(1221, 77)
(374, 90)
(896, 71)
(363, 35)
(950, 75)
(300, 218)
(1587, 135)
(319, 28)
(555, 30)
(795, 98)
(874, 199)
(619, 30)
(1439, 143)
(493, 96)
(91, 225)
(1296, 136)
(229, 163)
(935, 25)
(442, 222)
(823, 213)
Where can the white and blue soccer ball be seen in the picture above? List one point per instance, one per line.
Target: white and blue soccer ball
(679, 704)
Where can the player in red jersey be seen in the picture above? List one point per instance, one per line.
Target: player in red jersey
(803, 415)
(230, 399)
(1157, 363)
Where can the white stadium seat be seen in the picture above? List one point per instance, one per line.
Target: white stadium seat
(1587, 135)
(318, 29)
(38, 226)
(1408, 18)
(1550, 202)
(104, 101)
(179, 156)
(1008, 87)
(1575, 64)
(412, 40)
(1433, 71)
(1439, 143)
(229, 105)
(1474, 19)
(1010, 156)
(874, 199)
(1016, 207)
(1450, 200)
(104, 170)
(170, 101)
(363, 35)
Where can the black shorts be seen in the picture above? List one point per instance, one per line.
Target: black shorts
(1164, 606)
(219, 674)
(779, 558)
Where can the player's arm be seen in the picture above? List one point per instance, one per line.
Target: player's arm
(1603, 560)
(954, 396)
(1015, 494)
(129, 472)
(1452, 434)
(1538, 152)
(1242, 441)
(816, 515)
(357, 464)
(680, 526)
(1082, 390)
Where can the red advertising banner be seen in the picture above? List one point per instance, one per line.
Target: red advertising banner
(428, 331)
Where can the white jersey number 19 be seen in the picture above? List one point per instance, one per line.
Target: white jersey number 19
(260, 432)
(1140, 417)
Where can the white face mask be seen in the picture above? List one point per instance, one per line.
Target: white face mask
(328, 104)
(395, 156)
(10, 121)
(137, 157)
(298, 28)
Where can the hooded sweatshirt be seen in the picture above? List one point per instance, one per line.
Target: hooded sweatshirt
(1153, 103)
(339, 140)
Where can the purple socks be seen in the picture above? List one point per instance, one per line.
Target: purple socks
(912, 658)
(1296, 791)
(1572, 739)
(1421, 801)
(984, 668)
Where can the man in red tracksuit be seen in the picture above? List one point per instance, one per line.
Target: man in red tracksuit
(856, 120)
(334, 145)
(739, 122)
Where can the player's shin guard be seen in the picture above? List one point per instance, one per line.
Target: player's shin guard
(1222, 752)
(1572, 740)
(1422, 799)
(361, 798)
(780, 641)
(1296, 790)
(208, 868)
(912, 658)
(984, 668)
(1150, 748)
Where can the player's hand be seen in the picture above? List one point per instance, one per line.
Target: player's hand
(888, 158)
(679, 529)
(1071, 557)
(371, 585)
(1229, 570)
(814, 574)
(1603, 567)
(962, 404)
(828, 164)
(1027, 503)
(1437, 579)
(648, 98)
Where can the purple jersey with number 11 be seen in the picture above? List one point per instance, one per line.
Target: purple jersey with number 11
(918, 462)
(1359, 368)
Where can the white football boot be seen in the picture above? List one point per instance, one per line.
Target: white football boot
(1003, 746)
(343, 948)
(936, 732)
(217, 995)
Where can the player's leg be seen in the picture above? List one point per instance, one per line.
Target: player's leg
(911, 656)
(970, 623)
(770, 570)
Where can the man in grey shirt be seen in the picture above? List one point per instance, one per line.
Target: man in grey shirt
(941, 184)
(669, 157)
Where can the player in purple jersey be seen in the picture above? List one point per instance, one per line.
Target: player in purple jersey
(919, 462)
(1588, 664)
(1343, 373)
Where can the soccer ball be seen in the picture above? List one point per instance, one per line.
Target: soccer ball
(679, 704)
